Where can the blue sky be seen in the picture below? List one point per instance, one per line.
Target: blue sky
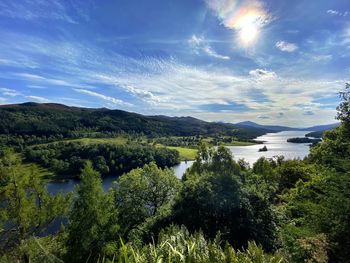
(273, 61)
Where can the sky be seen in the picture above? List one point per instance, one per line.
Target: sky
(272, 62)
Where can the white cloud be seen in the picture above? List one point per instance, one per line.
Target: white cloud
(39, 99)
(263, 74)
(167, 86)
(337, 12)
(10, 92)
(264, 117)
(322, 58)
(103, 97)
(286, 46)
(199, 44)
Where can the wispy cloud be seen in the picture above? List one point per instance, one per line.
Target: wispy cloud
(166, 85)
(63, 11)
(10, 92)
(103, 97)
(199, 44)
(38, 99)
(286, 46)
(264, 117)
(262, 74)
(337, 12)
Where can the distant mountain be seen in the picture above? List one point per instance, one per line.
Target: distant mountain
(53, 119)
(270, 128)
(323, 127)
(277, 128)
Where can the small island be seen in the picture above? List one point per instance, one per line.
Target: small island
(304, 140)
(263, 149)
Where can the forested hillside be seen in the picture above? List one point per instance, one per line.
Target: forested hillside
(222, 210)
(56, 119)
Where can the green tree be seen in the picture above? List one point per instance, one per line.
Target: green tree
(343, 109)
(141, 193)
(92, 226)
(26, 206)
(334, 151)
(214, 199)
(291, 171)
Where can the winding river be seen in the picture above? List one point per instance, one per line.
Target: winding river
(276, 144)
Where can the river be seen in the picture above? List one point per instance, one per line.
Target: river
(276, 144)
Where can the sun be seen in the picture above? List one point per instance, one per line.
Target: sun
(248, 33)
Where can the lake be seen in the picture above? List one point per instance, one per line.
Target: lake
(276, 144)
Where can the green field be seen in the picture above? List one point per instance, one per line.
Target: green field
(186, 154)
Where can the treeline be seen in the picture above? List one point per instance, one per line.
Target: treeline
(304, 140)
(68, 158)
(194, 141)
(53, 119)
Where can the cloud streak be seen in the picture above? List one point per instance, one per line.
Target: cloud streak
(286, 46)
(103, 97)
(337, 12)
(198, 44)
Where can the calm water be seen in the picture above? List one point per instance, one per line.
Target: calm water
(276, 144)
(68, 185)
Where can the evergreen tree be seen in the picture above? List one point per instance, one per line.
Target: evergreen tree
(26, 206)
(91, 223)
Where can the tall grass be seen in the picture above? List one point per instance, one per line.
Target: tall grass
(178, 246)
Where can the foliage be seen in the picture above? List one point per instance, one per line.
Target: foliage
(91, 220)
(55, 119)
(334, 151)
(179, 246)
(343, 110)
(69, 158)
(26, 206)
(213, 199)
(142, 193)
(322, 206)
(303, 140)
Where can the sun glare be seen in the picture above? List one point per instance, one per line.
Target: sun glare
(248, 33)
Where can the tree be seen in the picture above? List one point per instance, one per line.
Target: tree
(92, 226)
(334, 151)
(213, 199)
(343, 109)
(141, 193)
(291, 171)
(26, 206)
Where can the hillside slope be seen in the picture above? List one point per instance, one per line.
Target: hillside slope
(52, 119)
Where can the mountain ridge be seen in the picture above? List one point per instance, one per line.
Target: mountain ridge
(41, 119)
(278, 128)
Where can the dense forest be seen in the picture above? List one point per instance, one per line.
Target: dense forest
(69, 158)
(222, 210)
(48, 119)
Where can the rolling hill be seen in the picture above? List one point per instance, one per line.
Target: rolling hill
(51, 119)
